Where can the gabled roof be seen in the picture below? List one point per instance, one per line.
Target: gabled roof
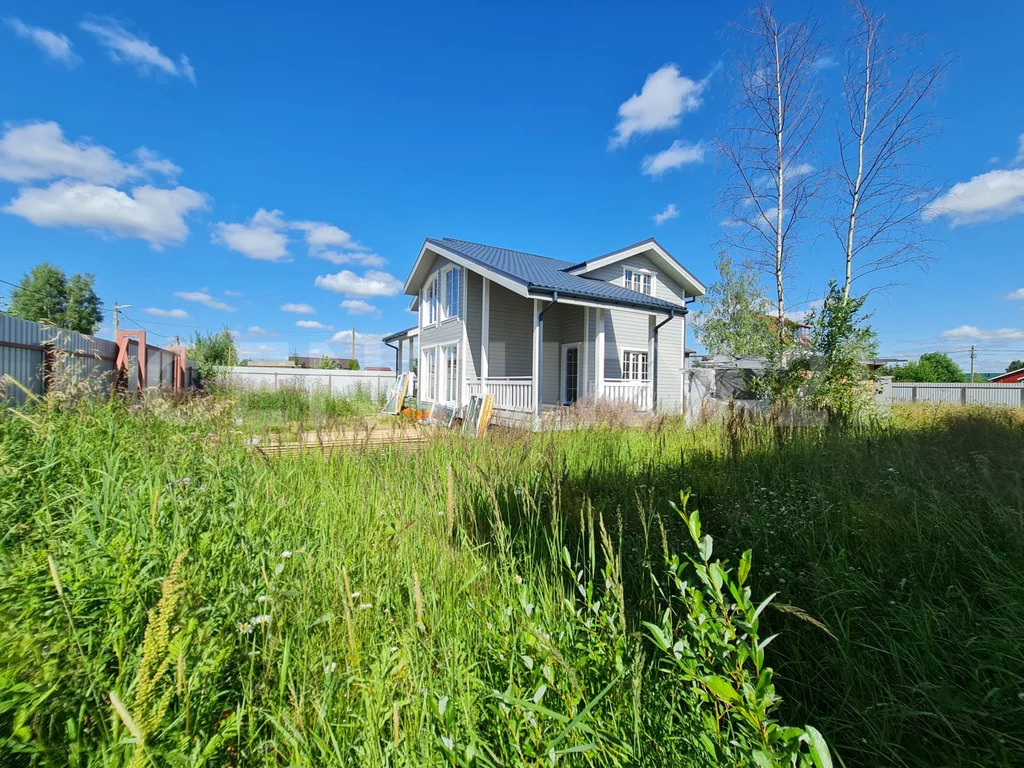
(532, 275)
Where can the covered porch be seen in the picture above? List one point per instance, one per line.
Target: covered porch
(539, 354)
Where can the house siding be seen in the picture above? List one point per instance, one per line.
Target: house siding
(445, 333)
(510, 351)
(474, 314)
(631, 330)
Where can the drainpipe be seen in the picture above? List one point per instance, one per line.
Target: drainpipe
(540, 351)
(398, 352)
(654, 362)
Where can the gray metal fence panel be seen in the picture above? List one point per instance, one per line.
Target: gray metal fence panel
(335, 382)
(1011, 395)
(86, 358)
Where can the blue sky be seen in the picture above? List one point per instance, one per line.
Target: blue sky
(214, 167)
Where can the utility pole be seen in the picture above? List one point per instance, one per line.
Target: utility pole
(353, 342)
(972, 362)
(117, 309)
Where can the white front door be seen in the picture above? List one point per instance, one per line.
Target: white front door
(570, 373)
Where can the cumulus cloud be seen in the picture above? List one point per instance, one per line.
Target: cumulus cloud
(665, 96)
(314, 324)
(128, 48)
(39, 151)
(352, 257)
(973, 332)
(988, 197)
(358, 307)
(255, 330)
(148, 213)
(177, 314)
(372, 284)
(1019, 157)
(670, 212)
(676, 156)
(298, 309)
(1015, 295)
(262, 238)
(204, 298)
(333, 244)
(232, 293)
(53, 44)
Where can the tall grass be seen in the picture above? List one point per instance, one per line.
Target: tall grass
(484, 601)
(171, 597)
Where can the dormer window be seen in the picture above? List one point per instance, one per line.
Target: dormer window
(640, 280)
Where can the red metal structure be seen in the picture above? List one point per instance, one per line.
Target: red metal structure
(1011, 377)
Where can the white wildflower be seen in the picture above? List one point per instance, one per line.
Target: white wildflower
(286, 554)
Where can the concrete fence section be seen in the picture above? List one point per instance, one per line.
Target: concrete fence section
(891, 392)
(37, 355)
(335, 382)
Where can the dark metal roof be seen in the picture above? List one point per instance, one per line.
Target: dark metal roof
(400, 334)
(541, 274)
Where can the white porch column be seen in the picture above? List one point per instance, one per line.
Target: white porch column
(485, 334)
(398, 363)
(599, 353)
(538, 353)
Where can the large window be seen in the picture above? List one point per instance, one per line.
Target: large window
(428, 302)
(639, 280)
(634, 365)
(451, 373)
(428, 373)
(452, 291)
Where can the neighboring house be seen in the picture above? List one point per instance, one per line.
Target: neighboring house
(539, 332)
(1011, 377)
(378, 368)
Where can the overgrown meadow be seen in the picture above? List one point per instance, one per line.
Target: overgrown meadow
(171, 596)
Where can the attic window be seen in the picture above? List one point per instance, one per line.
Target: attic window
(639, 280)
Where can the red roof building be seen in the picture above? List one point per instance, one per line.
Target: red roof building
(1013, 377)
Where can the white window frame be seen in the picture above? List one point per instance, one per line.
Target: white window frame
(563, 392)
(635, 361)
(428, 378)
(637, 275)
(429, 304)
(448, 312)
(449, 394)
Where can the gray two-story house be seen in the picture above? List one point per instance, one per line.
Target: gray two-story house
(539, 333)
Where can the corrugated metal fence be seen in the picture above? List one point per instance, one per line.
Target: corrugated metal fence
(961, 394)
(32, 353)
(336, 382)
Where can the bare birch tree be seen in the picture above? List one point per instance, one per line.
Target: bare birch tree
(768, 148)
(887, 99)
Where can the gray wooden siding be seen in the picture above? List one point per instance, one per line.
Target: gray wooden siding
(630, 330)
(474, 313)
(447, 332)
(511, 345)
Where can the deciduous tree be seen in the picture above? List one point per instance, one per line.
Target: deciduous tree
(46, 295)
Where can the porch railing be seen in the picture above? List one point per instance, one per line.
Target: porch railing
(631, 391)
(511, 393)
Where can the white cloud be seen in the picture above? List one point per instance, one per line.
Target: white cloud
(255, 330)
(263, 238)
(1015, 295)
(358, 307)
(299, 309)
(1019, 157)
(352, 257)
(124, 46)
(203, 298)
(980, 334)
(232, 293)
(988, 197)
(372, 284)
(345, 337)
(321, 235)
(151, 161)
(39, 151)
(148, 213)
(665, 96)
(670, 212)
(178, 314)
(53, 44)
(316, 324)
(824, 62)
(676, 156)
